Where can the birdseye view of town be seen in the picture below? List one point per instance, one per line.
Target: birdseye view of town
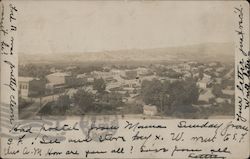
(129, 60)
(142, 84)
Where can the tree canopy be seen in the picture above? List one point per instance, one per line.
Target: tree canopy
(63, 103)
(99, 85)
(84, 100)
(170, 96)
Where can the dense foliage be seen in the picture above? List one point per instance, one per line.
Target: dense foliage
(170, 96)
(99, 85)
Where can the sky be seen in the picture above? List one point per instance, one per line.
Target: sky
(84, 26)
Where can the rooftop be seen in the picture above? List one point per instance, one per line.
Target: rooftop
(150, 108)
(228, 91)
(206, 95)
(204, 80)
(59, 74)
(25, 79)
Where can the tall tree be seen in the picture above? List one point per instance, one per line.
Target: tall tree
(84, 100)
(63, 103)
(150, 91)
(99, 85)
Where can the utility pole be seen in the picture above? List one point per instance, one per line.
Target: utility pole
(40, 107)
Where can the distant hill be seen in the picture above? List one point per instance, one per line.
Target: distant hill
(223, 52)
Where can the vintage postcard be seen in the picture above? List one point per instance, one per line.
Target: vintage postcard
(124, 79)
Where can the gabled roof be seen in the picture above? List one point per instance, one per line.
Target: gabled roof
(25, 79)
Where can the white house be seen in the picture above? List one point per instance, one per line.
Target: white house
(213, 64)
(220, 69)
(115, 72)
(149, 78)
(149, 110)
(100, 74)
(84, 75)
(206, 76)
(223, 100)
(134, 83)
(204, 83)
(206, 96)
(228, 92)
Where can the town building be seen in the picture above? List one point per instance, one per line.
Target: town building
(205, 82)
(30, 87)
(142, 71)
(206, 76)
(100, 74)
(205, 96)
(223, 100)
(116, 72)
(90, 79)
(213, 64)
(113, 85)
(149, 78)
(69, 68)
(57, 82)
(228, 92)
(218, 80)
(185, 66)
(130, 74)
(84, 75)
(53, 70)
(220, 69)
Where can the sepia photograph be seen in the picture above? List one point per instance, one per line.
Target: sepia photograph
(124, 79)
(130, 60)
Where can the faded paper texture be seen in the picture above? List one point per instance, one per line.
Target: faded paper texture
(124, 79)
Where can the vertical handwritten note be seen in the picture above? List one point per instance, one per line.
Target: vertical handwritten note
(8, 30)
(8, 53)
(243, 64)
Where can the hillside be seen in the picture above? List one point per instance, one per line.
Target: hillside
(223, 52)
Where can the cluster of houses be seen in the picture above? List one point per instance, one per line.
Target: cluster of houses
(127, 82)
(59, 81)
